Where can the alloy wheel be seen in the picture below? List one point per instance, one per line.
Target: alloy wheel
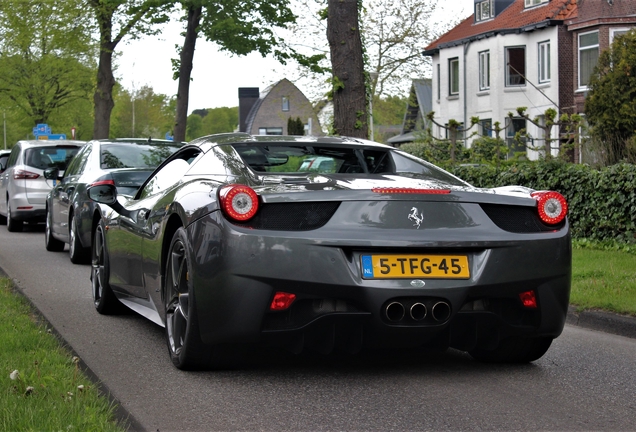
(177, 297)
(97, 265)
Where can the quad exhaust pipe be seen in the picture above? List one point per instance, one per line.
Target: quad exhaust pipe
(396, 311)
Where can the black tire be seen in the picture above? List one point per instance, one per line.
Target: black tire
(103, 297)
(13, 225)
(76, 252)
(51, 243)
(186, 349)
(514, 350)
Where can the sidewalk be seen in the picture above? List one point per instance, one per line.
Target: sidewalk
(603, 321)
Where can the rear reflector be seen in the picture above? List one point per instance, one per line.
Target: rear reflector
(282, 301)
(529, 299)
(411, 191)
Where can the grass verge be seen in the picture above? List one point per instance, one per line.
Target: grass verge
(604, 279)
(41, 385)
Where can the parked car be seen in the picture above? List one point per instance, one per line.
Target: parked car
(23, 187)
(227, 244)
(70, 214)
(4, 157)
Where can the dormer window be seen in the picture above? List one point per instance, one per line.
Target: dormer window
(530, 3)
(484, 10)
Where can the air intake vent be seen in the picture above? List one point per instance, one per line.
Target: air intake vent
(517, 219)
(293, 216)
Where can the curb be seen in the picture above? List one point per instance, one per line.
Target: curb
(607, 322)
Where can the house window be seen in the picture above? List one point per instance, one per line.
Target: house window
(544, 62)
(270, 131)
(515, 66)
(530, 3)
(439, 82)
(617, 32)
(484, 10)
(285, 103)
(484, 70)
(485, 127)
(588, 57)
(514, 146)
(453, 76)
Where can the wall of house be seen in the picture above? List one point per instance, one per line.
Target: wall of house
(499, 100)
(270, 111)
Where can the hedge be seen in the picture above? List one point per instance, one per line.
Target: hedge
(602, 202)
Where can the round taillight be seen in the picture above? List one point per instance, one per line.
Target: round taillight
(552, 206)
(239, 202)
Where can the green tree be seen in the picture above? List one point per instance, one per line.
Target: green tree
(220, 120)
(238, 27)
(117, 19)
(46, 52)
(140, 115)
(195, 127)
(609, 106)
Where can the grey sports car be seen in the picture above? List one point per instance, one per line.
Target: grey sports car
(237, 240)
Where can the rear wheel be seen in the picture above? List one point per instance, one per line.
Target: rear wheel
(103, 297)
(52, 244)
(514, 350)
(77, 253)
(186, 349)
(13, 225)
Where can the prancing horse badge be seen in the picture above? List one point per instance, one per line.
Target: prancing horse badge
(416, 216)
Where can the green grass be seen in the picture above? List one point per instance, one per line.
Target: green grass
(604, 279)
(48, 392)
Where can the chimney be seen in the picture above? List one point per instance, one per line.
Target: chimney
(248, 96)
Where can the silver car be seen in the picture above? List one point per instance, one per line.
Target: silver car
(23, 188)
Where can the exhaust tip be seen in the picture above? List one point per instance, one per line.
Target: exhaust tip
(394, 311)
(418, 311)
(441, 311)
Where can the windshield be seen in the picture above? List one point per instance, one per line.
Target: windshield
(132, 155)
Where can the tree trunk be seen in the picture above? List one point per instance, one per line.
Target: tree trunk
(103, 98)
(349, 91)
(185, 72)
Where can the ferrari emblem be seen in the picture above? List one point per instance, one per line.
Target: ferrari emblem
(416, 217)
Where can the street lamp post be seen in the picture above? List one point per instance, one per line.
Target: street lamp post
(4, 121)
(374, 77)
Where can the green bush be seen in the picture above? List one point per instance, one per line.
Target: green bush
(602, 202)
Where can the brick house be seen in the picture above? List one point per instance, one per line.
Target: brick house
(593, 30)
(267, 112)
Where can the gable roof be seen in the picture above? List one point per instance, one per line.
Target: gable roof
(514, 18)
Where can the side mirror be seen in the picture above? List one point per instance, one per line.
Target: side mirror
(102, 193)
(106, 193)
(51, 174)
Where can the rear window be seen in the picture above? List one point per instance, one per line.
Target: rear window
(339, 159)
(50, 157)
(129, 155)
(272, 158)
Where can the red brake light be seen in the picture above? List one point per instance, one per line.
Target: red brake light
(552, 206)
(282, 301)
(102, 182)
(411, 191)
(239, 202)
(529, 299)
(24, 175)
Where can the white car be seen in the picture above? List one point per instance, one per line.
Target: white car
(23, 188)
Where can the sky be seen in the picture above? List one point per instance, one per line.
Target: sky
(216, 76)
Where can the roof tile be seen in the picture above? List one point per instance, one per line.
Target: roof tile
(513, 17)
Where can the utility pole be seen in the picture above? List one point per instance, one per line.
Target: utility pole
(4, 120)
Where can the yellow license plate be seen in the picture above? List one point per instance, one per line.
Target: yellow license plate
(415, 266)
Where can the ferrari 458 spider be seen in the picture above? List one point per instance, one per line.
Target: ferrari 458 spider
(330, 244)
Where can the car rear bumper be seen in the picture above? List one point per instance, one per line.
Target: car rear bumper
(336, 307)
